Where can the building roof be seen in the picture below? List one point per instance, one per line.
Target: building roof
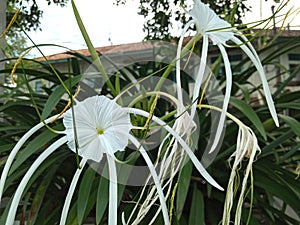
(106, 50)
(142, 46)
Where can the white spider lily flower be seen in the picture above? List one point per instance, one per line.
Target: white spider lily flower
(212, 27)
(247, 148)
(101, 127)
(209, 24)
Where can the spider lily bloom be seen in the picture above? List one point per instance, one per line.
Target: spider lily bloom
(212, 27)
(102, 127)
(247, 148)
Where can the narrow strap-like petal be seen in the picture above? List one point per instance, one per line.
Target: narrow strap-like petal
(17, 196)
(71, 190)
(113, 191)
(255, 59)
(155, 179)
(200, 75)
(187, 149)
(228, 74)
(15, 150)
(178, 74)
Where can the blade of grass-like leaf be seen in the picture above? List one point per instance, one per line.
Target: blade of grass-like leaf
(102, 199)
(84, 193)
(32, 148)
(293, 123)
(56, 96)
(282, 218)
(245, 90)
(286, 81)
(274, 187)
(268, 149)
(250, 114)
(197, 208)
(183, 187)
(290, 105)
(290, 153)
(91, 48)
(40, 194)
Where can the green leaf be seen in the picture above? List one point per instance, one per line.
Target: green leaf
(197, 208)
(56, 96)
(245, 91)
(183, 187)
(40, 194)
(36, 144)
(91, 48)
(84, 193)
(250, 114)
(267, 179)
(269, 148)
(293, 123)
(102, 199)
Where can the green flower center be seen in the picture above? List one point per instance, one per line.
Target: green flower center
(100, 131)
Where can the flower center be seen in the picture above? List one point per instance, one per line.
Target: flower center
(100, 131)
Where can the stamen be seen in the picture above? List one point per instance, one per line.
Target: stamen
(100, 131)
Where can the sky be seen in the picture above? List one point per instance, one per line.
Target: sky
(105, 23)
(109, 24)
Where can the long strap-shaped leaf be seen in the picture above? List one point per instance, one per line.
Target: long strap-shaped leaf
(91, 48)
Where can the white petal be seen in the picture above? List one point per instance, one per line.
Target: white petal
(15, 150)
(255, 59)
(178, 76)
(113, 192)
(226, 98)
(200, 74)
(17, 196)
(155, 179)
(94, 150)
(209, 23)
(97, 112)
(71, 190)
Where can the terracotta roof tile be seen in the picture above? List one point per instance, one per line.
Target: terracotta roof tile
(140, 46)
(106, 50)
